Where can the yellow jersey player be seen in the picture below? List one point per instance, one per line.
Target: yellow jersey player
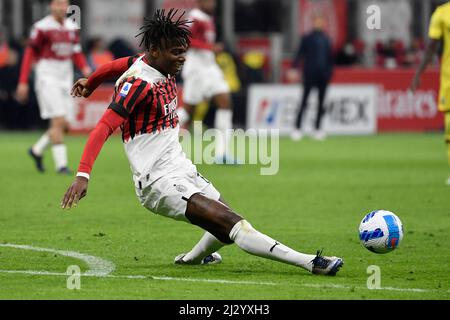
(439, 30)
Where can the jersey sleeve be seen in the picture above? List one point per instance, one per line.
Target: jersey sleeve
(128, 95)
(111, 70)
(105, 127)
(436, 26)
(32, 50)
(27, 63)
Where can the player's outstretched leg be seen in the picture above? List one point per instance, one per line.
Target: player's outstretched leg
(228, 227)
(204, 252)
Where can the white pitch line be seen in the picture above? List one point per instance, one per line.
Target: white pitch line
(214, 281)
(96, 266)
(164, 278)
(338, 286)
(101, 268)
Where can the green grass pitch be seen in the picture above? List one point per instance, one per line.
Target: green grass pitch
(317, 200)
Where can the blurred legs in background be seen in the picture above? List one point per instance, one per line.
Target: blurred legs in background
(318, 133)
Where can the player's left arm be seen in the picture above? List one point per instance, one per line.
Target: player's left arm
(111, 70)
(435, 33)
(129, 94)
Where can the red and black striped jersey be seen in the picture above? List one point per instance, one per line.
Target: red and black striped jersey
(146, 99)
(144, 106)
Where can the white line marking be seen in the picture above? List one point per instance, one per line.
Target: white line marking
(214, 281)
(164, 278)
(96, 266)
(102, 268)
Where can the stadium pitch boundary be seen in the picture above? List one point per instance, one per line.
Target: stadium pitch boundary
(101, 268)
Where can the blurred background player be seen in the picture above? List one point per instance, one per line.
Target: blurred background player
(439, 30)
(54, 46)
(203, 79)
(316, 53)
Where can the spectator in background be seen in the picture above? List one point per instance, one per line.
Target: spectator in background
(316, 53)
(98, 54)
(11, 114)
(390, 55)
(121, 48)
(347, 56)
(414, 54)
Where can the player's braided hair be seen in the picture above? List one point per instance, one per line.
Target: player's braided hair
(165, 27)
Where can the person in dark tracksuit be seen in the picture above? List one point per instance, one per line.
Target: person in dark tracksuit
(316, 53)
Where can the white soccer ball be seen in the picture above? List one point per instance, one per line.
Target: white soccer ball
(381, 231)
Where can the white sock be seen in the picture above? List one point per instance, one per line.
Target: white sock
(183, 116)
(59, 152)
(40, 146)
(256, 243)
(223, 122)
(207, 245)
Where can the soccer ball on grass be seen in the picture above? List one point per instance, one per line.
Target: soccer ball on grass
(381, 231)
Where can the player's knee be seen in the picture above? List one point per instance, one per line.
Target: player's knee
(223, 237)
(242, 227)
(213, 216)
(223, 101)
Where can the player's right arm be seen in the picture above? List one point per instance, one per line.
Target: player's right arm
(129, 94)
(111, 70)
(31, 53)
(105, 127)
(435, 33)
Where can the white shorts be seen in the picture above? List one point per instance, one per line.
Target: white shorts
(203, 83)
(54, 99)
(168, 195)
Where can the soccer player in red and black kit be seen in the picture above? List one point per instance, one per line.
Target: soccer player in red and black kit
(54, 46)
(167, 183)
